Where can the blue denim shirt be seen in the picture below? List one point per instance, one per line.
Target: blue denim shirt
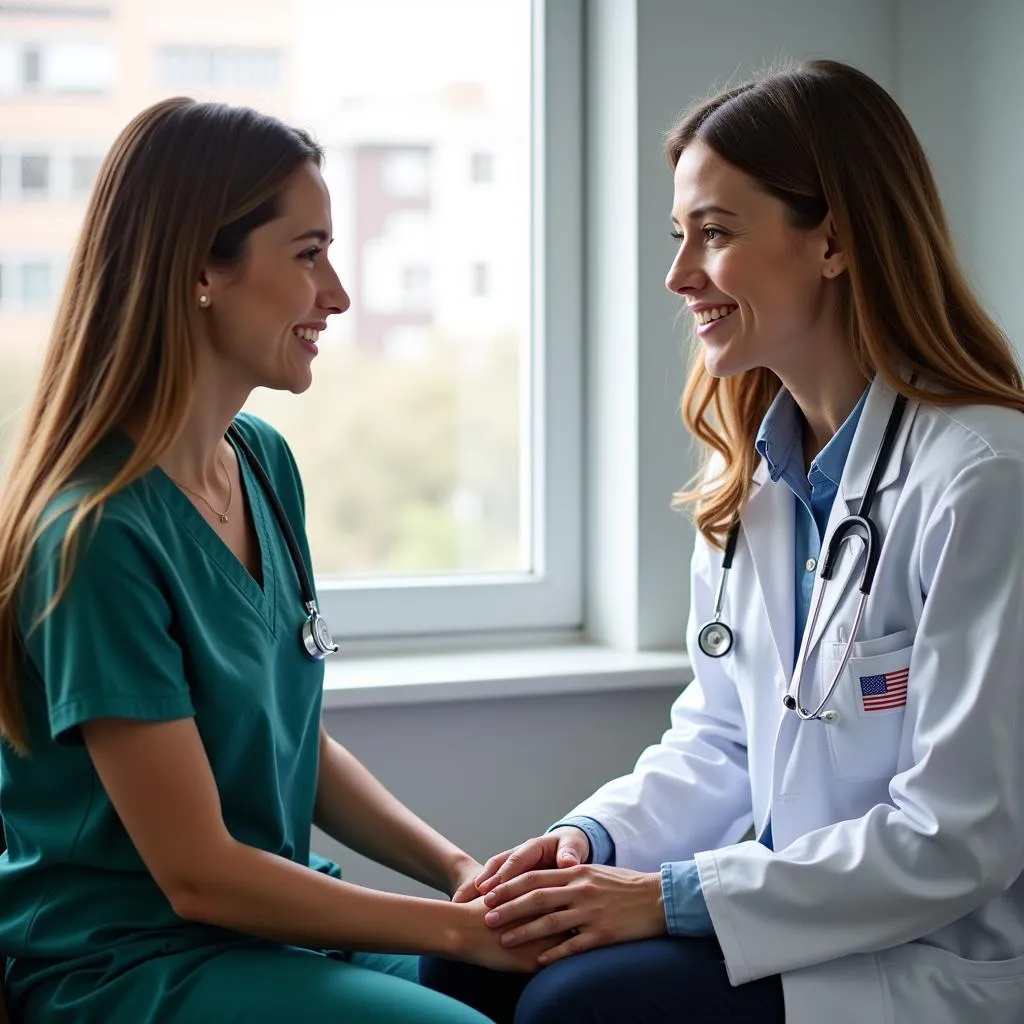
(780, 443)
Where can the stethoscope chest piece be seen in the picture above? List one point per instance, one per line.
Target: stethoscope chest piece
(715, 639)
(316, 636)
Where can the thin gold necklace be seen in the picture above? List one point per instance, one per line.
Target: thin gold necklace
(222, 516)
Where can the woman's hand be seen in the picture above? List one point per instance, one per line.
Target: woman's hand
(462, 879)
(564, 848)
(478, 943)
(595, 905)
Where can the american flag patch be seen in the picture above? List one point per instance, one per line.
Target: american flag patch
(884, 691)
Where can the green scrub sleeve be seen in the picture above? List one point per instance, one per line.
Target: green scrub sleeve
(107, 649)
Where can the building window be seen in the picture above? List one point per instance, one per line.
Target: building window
(36, 284)
(210, 67)
(416, 287)
(35, 175)
(83, 173)
(31, 69)
(481, 167)
(453, 504)
(55, 67)
(480, 280)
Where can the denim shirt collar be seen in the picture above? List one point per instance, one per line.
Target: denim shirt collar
(779, 439)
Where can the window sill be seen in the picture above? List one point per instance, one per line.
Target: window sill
(482, 675)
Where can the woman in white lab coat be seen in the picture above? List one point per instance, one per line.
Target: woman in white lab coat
(874, 747)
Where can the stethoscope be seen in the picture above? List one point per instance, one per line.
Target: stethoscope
(316, 637)
(716, 638)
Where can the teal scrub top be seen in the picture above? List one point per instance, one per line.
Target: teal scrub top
(160, 622)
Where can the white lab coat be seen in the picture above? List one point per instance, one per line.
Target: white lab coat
(894, 892)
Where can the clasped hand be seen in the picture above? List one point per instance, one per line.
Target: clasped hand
(543, 890)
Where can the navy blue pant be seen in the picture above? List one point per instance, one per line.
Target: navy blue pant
(656, 981)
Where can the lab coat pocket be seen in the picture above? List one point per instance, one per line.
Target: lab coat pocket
(871, 701)
(930, 984)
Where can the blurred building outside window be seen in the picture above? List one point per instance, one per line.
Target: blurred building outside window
(415, 439)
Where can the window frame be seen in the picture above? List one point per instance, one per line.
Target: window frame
(548, 600)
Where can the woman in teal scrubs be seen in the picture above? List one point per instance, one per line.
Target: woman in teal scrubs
(165, 757)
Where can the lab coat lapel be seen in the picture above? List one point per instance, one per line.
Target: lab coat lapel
(845, 581)
(768, 530)
(868, 440)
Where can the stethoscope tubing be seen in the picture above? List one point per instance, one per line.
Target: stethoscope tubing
(858, 525)
(316, 638)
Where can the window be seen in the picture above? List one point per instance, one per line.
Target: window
(31, 68)
(480, 280)
(36, 284)
(211, 67)
(55, 66)
(35, 175)
(26, 285)
(481, 167)
(416, 287)
(83, 173)
(440, 441)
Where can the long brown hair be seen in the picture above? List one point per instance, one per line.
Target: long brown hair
(182, 187)
(824, 138)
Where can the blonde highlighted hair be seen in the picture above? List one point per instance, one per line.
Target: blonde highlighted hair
(181, 189)
(826, 139)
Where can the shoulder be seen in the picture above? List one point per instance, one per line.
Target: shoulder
(125, 518)
(963, 435)
(111, 554)
(962, 458)
(120, 532)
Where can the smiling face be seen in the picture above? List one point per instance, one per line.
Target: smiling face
(760, 289)
(263, 318)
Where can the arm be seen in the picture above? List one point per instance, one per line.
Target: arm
(700, 764)
(354, 808)
(691, 791)
(159, 780)
(114, 674)
(949, 840)
(700, 767)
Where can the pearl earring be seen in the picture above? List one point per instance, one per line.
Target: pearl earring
(204, 300)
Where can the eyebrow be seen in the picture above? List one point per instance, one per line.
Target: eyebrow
(701, 211)
(318, 233)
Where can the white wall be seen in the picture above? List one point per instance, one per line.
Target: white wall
(961, 82)
(678, 50)
(489, 773)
